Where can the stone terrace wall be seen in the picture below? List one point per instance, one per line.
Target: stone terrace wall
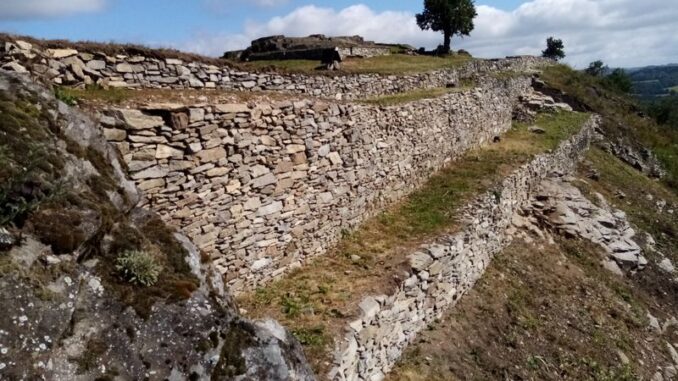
(442, 272)
(73, 68)
(264, 188)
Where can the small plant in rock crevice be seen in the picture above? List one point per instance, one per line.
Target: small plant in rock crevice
(138, 267)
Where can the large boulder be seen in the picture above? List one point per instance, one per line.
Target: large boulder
(69, 311)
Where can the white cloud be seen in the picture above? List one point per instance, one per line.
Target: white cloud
(223, 6)
(26, 9)
(621, 32)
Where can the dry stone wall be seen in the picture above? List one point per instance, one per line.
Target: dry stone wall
(263, 188)
(73, 68)
(443, 271)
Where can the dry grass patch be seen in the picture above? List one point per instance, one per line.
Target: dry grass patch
(317, 301)
(540, 312)
(98, 97)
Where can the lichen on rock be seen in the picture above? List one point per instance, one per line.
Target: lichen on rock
(71, 316)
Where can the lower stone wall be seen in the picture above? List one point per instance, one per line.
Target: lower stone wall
(264, 188)
(442, 272)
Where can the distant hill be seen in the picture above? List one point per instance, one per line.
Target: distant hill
(654, 81)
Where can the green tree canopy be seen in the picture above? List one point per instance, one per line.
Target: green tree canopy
(620, 81)
(451, 17)
(554, 49)
(597, 68)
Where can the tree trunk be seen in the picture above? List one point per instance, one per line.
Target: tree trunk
(446, 42)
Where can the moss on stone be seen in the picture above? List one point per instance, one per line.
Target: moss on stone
(238, 338)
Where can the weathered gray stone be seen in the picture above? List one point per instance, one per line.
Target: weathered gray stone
(264, 180)
(420, 261)
(211, 155)
(231, 108)
(369, 308)
(269, 209)
(96, 64)
(136, 120)
(60, 53)
(150, 173)
(115, 135)
(164, 152)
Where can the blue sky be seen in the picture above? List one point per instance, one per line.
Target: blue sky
(174, 20)
(621, 32)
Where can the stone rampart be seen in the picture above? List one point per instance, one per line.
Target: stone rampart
(70, 67)
(262, 188)
(443, 271)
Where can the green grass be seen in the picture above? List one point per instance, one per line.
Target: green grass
(72, 96)
(621, 116)
(311, 337)
(414, 95)
(432, 207)
(325, 291)
(389, 64)
(673, 89)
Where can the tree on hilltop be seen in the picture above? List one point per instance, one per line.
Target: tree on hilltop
(451, 17)
(619, 80)
(554, 49)
(597, 68)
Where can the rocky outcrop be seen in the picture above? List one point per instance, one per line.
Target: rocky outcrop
(68, 313)
(638, 157)
(562, 208)
(265, 187)
(313, 47)
(440, 273)
(70, 67)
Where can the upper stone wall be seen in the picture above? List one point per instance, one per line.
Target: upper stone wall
(313, 47)
(265, 187)
(70, 67)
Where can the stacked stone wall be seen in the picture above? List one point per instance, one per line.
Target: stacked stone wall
(262, 188)
(70, 67)
(443, 271)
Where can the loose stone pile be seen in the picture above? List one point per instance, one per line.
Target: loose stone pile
(264, 187)
(442, 272)
(73, 68)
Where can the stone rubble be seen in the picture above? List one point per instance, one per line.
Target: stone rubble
(442, 272)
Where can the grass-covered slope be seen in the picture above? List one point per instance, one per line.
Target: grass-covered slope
(550, 311)
(622, 117)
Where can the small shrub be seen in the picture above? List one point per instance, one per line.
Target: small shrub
(65, 96)
(311, 337)
(138, 267)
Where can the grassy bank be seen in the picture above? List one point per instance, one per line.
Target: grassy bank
(622, 117)
(556, 314)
